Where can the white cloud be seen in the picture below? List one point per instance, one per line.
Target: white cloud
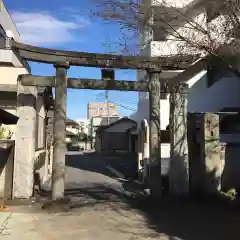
(42, 28)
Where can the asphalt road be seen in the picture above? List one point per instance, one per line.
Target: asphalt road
(86, 168)
(90, 166)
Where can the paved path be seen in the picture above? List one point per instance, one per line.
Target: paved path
(106, 208)
(100, 209)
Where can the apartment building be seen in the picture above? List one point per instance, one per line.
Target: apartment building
(102, 109)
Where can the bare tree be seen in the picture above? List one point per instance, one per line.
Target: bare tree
(178, 26)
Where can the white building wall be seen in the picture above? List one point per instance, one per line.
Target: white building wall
(7, 23)
(9, 75)
(222, 94)
(84, 123)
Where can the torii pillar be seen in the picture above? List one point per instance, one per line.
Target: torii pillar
(155, 130)
(179, 158)
(59, 132)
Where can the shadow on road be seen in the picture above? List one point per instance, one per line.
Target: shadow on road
(178, 218)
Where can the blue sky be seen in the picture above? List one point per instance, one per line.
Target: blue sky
(67, 25)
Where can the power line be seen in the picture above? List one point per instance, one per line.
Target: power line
(120, 105)
(101, 97)
(129, 102)
(123, 106)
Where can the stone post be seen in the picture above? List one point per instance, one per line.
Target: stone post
(23, 176)
(210, 148)
(59, 132)
(155, 140)
(179, 165)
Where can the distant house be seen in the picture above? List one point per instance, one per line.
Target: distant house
(72, 126)
(96, 122)
(117, 136)
(84, 125)
(69, 136)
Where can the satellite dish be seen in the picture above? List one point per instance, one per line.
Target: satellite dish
(9, 34)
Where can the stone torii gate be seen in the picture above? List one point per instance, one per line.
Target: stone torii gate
(62, 60)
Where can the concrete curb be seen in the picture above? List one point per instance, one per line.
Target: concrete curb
(120, 175)
(116, 172)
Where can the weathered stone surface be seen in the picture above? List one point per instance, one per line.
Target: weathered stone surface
(53, 56)
(59, 127)
(23, 178)
(179, 166)
(155, 140)
(211, 151)
(206, 153)
(85, 83)
(49, 142)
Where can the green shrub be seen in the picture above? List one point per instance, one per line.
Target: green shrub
(230, 194)
(5, 132)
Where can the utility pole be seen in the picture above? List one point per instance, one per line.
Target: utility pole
(108, 108)
(91, 133)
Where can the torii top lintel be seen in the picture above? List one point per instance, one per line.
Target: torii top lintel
(54, 56)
